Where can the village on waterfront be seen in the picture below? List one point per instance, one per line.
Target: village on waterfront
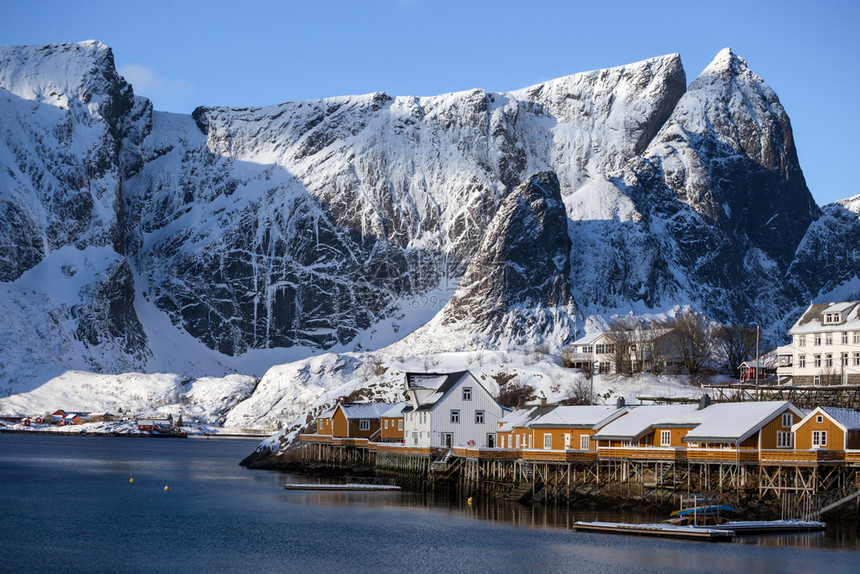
(782, 447)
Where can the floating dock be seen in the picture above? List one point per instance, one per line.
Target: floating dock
(347, 486)
(708, 534)
(352, 483)
(770, 526)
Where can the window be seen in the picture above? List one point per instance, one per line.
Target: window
(399, 425)
(828, 338)
(665, 438)
(801, 361)
(786, 419)
(518, 441)
(783, 439)
(819, 438)
(479, 417)
(455, 415)
(386, 424)
(844, 337)
(817, 339)
(819, 419)
(816, 379)
(828, 360)
(583, 442)
(817, 360)
(857, 337)
(844, 359)
(801, 340)
(547, 440)
(364, 424)
(692, 445)
(467, 393)
(856, 359)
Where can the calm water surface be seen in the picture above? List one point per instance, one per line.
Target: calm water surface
(67, 503)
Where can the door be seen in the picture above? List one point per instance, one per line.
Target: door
(491, 440)
(566, 441)
(447, 439)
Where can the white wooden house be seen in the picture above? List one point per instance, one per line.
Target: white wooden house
(449, 409)
(825, 346)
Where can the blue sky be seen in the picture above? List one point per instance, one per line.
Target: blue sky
(182, 54)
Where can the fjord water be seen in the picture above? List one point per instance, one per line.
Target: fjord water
(70, 501)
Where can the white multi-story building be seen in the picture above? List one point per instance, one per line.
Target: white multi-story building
(446, 410)
(824, 348)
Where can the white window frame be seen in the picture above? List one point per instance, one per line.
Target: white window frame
(819, 418)
(819, 439)
(783, 439)
(801, 340)
(385, 423)
(584, 442)
(844, 337)
(400, 425)
(817, 339)
(364, 424)
(455, 416)
(856, 358)
(547, 441)
(665, 438)
(787, 419)
(817, 359)
(828, 338)
(801, 361)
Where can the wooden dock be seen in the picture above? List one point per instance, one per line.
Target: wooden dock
(707, 534)
(352, 483)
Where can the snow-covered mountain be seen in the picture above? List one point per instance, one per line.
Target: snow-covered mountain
(239, 238)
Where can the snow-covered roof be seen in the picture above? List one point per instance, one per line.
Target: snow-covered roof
(576, 416)
(518, 418)
(735, 422)
(587, 339)
(641, 419)
(848, 419)
(364, 410)
(812, 319)
(840, 307)
(395, 411)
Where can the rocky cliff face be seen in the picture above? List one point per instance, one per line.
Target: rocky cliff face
(519, 277)
(318, 224)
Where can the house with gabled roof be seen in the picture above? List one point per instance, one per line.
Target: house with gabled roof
(825, 346)
(650, 426)
(391, 423)
(357, 420)
(742, 430)
(449, 409)
(828, 428)
(571, 427)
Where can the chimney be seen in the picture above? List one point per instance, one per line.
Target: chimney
(619, 404)
(705, 401)
(543, 401)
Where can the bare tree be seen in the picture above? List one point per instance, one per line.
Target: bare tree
(695, 339)
(578, 392)
(737, 343)
(621, 333)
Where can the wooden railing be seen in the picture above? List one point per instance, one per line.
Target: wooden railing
(802, 456)
(722, 455)
(642, 452)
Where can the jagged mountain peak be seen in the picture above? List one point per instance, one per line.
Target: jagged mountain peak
(58, 74)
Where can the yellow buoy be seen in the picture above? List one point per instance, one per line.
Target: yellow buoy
(131, 480)
(470, 500)
(166, 488)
